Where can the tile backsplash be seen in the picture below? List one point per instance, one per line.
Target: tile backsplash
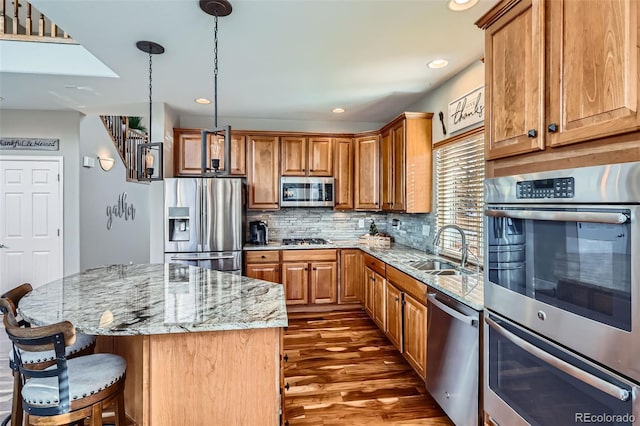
(337, 225)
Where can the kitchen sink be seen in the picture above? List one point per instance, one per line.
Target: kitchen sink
(445, 272)
(433, 265)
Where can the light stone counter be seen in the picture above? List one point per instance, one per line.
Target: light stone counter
(156, 299)
(466, 288)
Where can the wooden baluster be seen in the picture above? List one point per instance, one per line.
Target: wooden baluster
(29, 22)
(3, 17)
(16, 17)
(41, 25)
(66, 35)
(54, 30)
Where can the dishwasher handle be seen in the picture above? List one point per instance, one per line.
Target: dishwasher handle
(469, 320)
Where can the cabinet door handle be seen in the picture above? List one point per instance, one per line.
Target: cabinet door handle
(314, 268)
(306, 269)
(263, 256)
(532, 133)
(286, 358)
(397, 298)
(286, 386)
(552, 128)
(310, 170)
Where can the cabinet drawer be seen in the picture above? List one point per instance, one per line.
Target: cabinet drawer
(262, 256)
(305, 255)
(408, 284)
(374, 264)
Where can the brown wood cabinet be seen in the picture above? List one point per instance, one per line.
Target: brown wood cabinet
(405, 145)
(343, 173)
(188, 150)
(415, 334)
(307, 156)
(263, 173)
(310, 276)
(379, 300)
(393, 320)
(586, 90)
(368, 286)
(350, 276)
(263, 265)
(366, 172)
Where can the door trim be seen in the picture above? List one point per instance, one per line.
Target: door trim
(52, 159)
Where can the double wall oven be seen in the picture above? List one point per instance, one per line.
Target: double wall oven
(562, 292)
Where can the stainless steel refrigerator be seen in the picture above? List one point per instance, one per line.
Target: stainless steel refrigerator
(204, 222)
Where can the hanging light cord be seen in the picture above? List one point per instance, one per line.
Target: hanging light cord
(150, 91)
(215, 71)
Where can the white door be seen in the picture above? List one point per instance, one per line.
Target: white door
(30, 220)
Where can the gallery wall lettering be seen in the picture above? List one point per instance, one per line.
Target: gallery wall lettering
(121, 209)
(467, 110)
(41, 144)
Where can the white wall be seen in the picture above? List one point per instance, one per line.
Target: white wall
(57, 125)
(128, 240)
(438, 99)
(206, 122)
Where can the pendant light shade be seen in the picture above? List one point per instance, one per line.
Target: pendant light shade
(149, 161)
(218, 133)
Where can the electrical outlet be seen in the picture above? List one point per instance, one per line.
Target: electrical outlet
(426, 230)
(361, 223)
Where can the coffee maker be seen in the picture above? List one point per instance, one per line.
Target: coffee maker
(259, 232)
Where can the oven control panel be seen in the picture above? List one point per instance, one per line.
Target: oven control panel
(546, 188)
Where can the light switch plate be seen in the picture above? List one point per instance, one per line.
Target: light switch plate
(360, 223)
(88, 161)
(426, 230)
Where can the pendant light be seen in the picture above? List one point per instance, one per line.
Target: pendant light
(216, 8)
(149, 155)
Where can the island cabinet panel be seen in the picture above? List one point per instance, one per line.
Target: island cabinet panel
(415, 334)
(188, 152)
(393, 319)
(350, 276)
(343, 173)
(263, 175)
(214, 369)
(324, 278)
(367, 185)
(295, 277)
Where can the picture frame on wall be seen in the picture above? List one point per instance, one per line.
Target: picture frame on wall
(466, 110)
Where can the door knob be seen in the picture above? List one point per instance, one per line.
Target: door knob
(552, 128)
(532, 133)
(3, 246)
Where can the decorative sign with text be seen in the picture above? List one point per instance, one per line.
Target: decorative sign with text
(41, 144)
(121, 210)
(467, 110)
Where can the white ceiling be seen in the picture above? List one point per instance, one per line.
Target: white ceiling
(278, 59)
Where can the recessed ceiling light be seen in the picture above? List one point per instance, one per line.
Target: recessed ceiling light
(460, 5)
(438, 63)
(338, 110)
(203, 101)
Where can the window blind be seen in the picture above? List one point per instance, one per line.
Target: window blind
(460, 194)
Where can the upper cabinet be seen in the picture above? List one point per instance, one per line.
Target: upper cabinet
(588, 87)
(343, 173)
(366, 194)
(302, 156)
(405, 164)
(262, 175)
(188, 152)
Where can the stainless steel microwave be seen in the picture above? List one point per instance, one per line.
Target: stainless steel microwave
(307, 191)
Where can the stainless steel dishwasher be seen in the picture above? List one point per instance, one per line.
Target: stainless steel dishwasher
(453, 358)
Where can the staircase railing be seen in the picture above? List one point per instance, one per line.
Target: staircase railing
(19, 20)
(126, 141)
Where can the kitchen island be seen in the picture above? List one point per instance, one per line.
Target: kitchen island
(202, 347)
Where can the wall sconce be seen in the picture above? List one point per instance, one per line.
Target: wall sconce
(149, 157)
(106, 163)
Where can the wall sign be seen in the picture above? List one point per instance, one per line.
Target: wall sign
(40, 144)
(121, 209)
(466, 110)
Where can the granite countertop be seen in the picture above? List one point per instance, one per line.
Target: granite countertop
(156, 299)
(465, 288)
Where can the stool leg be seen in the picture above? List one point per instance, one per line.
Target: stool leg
(121, 418)
(96, 415)
(16, 403)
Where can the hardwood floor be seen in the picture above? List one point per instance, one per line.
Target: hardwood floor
(342, 370)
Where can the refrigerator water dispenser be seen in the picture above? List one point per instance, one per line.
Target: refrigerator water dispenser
(178, 223)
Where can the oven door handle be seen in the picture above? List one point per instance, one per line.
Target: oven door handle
(565, 367)
(202, 258)
(560, 216)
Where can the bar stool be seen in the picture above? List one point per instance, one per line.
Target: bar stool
(83, 345)
(70, 390)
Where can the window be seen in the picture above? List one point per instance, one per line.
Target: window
(460, 192)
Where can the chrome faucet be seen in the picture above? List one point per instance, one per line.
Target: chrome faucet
(464, 250)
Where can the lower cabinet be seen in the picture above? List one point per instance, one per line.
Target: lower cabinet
(368, 286)
(415, 334)
(379, 299)
(350, 284)
(310, 276)
(263, 265)
(393, 320)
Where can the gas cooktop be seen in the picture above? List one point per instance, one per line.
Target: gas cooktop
(303, 241)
